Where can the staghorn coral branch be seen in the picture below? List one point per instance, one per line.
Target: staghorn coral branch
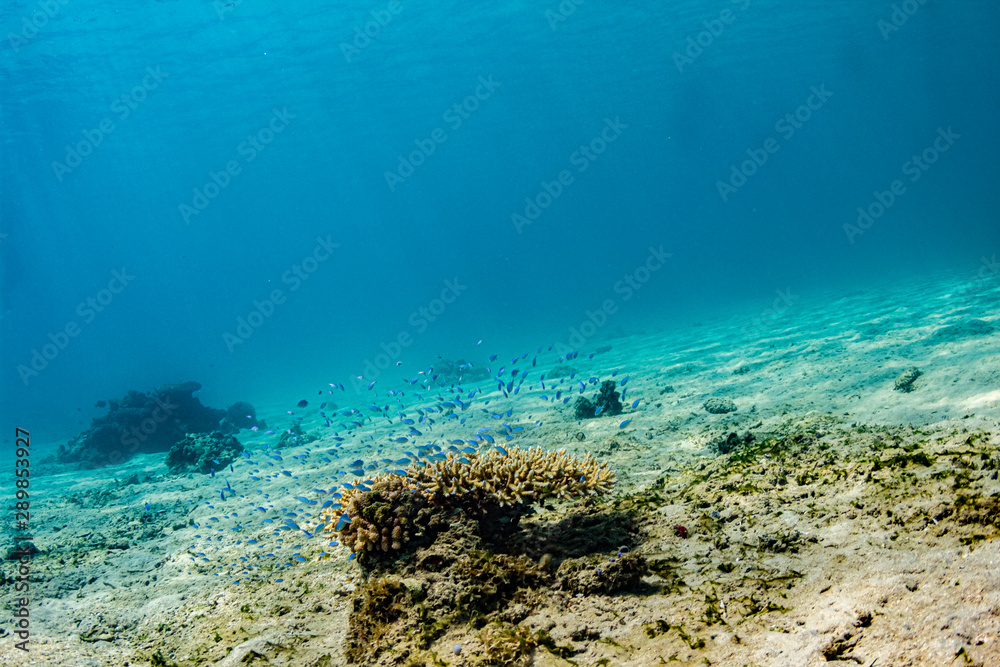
(397, 508)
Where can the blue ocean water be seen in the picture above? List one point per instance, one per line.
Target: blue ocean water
(262, 197)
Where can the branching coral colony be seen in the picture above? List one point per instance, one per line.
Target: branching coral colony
(391, 512)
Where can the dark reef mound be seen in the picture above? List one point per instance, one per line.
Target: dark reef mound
(141, 422)
(241, 415)
(458, 371)
(607, 403)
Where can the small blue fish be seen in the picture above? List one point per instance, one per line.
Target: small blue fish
(500, 449)
(625, 423)
(599, 410)
(635, 403)
(147, 506)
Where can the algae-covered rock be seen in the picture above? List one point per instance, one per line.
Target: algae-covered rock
(723, 445)
(906, 379)
(719, 406)
(203, 452)
(596, 575)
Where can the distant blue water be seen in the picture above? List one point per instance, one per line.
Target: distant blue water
(331, 113)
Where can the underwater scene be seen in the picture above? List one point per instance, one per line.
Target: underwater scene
(530, 333)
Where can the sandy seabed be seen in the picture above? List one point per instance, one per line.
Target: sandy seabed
(845, 522)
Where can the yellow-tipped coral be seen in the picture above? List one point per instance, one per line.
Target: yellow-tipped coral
(519, 476)
(495, 487)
